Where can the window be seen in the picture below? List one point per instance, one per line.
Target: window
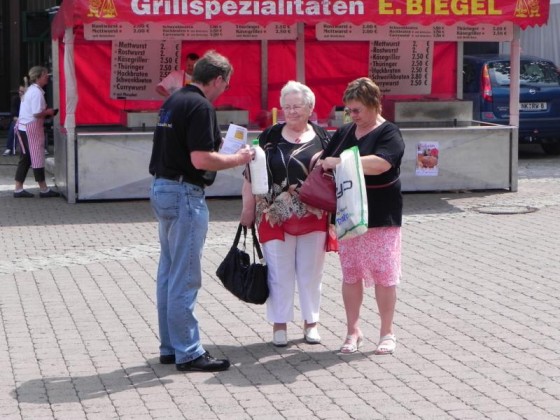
(36, 26)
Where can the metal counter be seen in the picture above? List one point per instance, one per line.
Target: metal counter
(114, 165)
(472, 157)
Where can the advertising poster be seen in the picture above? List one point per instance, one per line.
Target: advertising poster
(427, 158)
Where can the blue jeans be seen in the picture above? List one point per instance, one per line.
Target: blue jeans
(183, 223)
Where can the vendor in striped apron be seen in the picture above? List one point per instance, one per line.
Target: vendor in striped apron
(31, 134)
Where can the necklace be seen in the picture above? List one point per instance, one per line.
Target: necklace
(298, 136)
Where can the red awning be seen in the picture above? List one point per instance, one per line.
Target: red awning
(382, 12)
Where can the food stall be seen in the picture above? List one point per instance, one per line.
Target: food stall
(109, 54)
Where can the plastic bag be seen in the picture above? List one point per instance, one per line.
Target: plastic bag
(351, 197)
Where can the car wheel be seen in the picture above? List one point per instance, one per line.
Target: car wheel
(551, 148)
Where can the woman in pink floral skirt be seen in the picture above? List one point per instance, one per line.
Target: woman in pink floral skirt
(374, 258)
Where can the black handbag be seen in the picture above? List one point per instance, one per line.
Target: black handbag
(245, 280)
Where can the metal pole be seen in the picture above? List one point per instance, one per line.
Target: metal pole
(460, 53)
(514, 77)
(70, 121)
(515, 64)
(300, 53)
(264, 74)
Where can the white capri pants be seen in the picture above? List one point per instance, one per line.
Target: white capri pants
(295, 259)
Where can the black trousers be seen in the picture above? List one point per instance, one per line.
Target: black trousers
(25, 163)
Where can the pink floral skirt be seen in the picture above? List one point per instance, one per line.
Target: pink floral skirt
(374, 257)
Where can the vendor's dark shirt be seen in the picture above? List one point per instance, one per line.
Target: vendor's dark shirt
(187, 122)
(384, 204)
(14, 105)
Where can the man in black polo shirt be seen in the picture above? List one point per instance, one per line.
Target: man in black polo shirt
(184, 161)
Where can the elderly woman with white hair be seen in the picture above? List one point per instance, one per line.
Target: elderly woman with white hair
(293, 234)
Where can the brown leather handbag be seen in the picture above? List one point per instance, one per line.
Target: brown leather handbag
(319, 188)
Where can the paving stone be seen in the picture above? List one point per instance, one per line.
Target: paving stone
(477, 317)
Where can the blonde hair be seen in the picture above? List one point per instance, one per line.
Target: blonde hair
(36, 72)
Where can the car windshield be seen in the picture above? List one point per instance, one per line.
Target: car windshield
(532, 72)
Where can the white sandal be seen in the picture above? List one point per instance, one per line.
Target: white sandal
(387, 344)
(352, 344)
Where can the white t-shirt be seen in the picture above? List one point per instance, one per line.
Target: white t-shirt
(175, 80)
(33, 102)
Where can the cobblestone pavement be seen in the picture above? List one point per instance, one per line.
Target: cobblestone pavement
(477, 319)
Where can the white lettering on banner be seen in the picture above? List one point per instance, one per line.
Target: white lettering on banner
(211, 8)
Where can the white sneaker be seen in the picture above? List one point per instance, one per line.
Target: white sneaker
(7, 152)
(280, 338)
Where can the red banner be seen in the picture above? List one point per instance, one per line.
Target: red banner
(401, 12)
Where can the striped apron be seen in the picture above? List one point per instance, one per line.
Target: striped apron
(36, 140)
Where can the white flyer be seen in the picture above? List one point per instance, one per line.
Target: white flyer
(235, 139)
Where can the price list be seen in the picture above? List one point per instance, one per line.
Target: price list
(169, 57)
(483, 32)
(199, 31)
(402, 67)
(435, 32)
(138, 66)
(420, 66)
(98, 31)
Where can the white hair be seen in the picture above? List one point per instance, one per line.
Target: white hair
(296, 87)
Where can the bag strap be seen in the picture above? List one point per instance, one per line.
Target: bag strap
(340, 144)
(238, 236)
(321, 133)
(273, 134)
(256, 245)
(270, 134)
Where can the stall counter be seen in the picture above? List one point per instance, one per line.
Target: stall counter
(114, 165)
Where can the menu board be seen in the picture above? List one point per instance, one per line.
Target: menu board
(199, 31)
(435, 32)
(402, 67)
(138, 66)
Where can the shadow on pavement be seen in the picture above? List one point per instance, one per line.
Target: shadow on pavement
(254, 364)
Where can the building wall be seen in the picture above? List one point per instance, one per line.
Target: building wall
(544, 41)
(17, 55)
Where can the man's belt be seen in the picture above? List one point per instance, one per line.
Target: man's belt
(178, 178)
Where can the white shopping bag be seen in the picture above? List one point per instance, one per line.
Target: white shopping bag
(351, 196)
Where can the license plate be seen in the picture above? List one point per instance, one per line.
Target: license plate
(533, 106)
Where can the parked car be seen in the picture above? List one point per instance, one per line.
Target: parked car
(486, 80)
